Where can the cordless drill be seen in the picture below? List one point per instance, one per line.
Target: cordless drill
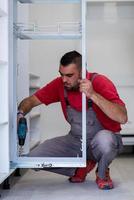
(21, 131)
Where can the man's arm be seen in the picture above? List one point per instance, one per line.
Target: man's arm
(28, 103)
(113, 110)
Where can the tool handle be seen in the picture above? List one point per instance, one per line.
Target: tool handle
(22, 130)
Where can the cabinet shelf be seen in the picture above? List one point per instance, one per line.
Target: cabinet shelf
(62, 30)
(3, 62)
(128, 140)
(3, 123)
(49, 1)
(32, 86)
(33, 76)
(34, 82)
(70, 1)
(127, 133)
(38, 36)
(2, 13)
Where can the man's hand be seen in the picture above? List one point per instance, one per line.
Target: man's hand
(28, 103)
(19, 116)
(113, 110)
(86, 87)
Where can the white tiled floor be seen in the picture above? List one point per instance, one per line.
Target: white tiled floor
(49, 186)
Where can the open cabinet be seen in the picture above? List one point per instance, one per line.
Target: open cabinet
(105, 31)
(25, 31)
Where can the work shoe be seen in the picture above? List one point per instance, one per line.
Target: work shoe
(81, 173)
(104, 184)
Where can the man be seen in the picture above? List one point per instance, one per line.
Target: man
(105, 112)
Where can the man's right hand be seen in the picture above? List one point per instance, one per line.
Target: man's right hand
(20, 114)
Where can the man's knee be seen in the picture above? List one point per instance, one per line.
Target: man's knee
(103, 142)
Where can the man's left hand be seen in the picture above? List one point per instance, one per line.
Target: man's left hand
(86, 87)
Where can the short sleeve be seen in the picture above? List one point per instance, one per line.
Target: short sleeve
(50, 92)
(107, 89)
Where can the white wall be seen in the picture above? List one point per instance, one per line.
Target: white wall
(45, 56)
(110, 48)
(110, 35)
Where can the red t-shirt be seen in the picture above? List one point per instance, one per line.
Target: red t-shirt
(54, 92)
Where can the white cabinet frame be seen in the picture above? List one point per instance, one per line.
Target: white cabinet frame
(40, 162)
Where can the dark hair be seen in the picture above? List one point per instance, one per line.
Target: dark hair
(72, 57)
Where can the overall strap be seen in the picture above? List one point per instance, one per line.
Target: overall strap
(66, 97)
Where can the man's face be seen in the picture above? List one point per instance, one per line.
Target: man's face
(70, 75)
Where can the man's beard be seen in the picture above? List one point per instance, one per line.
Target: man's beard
(73, 88)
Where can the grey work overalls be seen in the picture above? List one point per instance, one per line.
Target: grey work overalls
(102, 145)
